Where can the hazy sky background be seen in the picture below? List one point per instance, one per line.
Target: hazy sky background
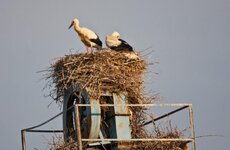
(190, 40)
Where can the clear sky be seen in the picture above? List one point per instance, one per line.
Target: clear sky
(190, 40)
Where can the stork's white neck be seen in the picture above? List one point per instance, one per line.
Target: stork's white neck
(76, 26)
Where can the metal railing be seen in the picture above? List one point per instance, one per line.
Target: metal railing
(78, 133)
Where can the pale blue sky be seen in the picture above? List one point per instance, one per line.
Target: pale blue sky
(190, 39)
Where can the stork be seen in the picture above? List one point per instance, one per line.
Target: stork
(87, 36)
(114, 42)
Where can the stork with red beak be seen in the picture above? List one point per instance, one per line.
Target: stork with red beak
(87, 36)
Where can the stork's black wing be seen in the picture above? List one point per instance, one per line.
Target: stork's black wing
(97, 41)
(125, 46)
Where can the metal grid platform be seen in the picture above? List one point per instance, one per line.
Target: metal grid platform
(79, 139)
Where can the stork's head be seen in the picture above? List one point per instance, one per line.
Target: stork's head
(116, 34)
(75, 23)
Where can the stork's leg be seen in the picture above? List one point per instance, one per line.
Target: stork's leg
(91, 50)
(87, 50)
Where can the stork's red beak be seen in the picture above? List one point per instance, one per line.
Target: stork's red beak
(70, 25)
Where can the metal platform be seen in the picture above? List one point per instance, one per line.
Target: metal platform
(104, 141)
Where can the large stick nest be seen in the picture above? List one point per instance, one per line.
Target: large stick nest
(102, 71)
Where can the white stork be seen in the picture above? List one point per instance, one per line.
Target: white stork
(114, 42)
(87, 36)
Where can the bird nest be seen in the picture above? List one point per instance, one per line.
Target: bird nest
(99, 72)
(102, 72)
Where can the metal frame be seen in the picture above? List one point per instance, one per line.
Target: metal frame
(80, 140)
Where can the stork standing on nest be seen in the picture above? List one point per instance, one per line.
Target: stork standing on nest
(87, 36)
(114, 42)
